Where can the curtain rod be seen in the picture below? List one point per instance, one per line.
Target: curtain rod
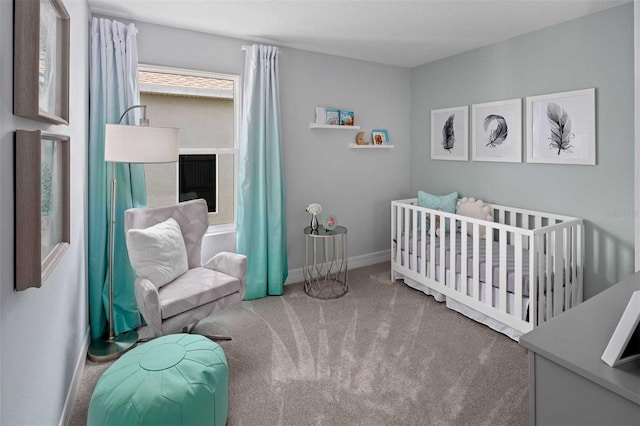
(245, 47)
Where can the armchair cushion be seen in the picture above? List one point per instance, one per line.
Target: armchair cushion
(196, 287)
(158, 253)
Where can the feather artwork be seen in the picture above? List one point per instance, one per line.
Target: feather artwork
(560, 126)
(448, 135)
(500, 133)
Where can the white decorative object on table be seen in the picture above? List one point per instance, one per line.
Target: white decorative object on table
(314, 209)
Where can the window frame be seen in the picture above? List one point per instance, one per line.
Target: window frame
(237, 104)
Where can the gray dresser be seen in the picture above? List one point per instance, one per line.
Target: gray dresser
(569, 383)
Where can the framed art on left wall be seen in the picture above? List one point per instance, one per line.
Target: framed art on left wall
(41, 196)
(41, 61)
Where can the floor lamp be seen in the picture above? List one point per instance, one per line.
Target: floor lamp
(129, 144)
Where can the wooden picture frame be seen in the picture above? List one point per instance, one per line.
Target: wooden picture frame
(41, 61)
(624, 345)
(561, 128)
(455, 123)
(41, 205)
(496, 131)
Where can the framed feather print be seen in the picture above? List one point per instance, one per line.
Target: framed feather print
(496, 131)
(450, 134)
(561, 128)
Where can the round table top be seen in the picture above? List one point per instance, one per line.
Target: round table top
(323, 232)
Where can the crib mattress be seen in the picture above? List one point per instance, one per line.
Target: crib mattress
(482, 255)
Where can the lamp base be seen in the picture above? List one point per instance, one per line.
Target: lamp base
(103, 349)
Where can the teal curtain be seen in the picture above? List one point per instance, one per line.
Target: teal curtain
(113, 87)
(261, 206)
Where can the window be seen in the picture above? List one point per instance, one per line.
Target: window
(205, 107)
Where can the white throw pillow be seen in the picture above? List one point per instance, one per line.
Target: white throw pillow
(158, 253)
(477, 209)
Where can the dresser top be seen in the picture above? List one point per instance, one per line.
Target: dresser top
(577, 338)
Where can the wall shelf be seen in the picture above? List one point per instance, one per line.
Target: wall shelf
(356, 146)
(332, 126)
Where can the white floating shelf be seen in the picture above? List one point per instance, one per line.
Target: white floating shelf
(356, 146)
(332, 126)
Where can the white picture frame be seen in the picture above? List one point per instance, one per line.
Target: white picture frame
(456, 147)
(621, 347)
(561, 128)
(496, 131)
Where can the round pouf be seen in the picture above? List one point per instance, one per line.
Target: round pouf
(179, 379)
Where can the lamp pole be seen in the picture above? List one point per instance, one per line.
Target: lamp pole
(114, 346)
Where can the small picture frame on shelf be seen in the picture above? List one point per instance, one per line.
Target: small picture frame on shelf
(346, 118)
(332, 117)
(380, 137)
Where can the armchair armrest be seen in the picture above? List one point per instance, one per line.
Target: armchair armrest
(231, 264)
(149, 304)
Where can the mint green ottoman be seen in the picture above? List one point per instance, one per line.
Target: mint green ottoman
(179, 379)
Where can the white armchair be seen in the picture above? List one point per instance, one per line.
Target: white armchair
(199, 292)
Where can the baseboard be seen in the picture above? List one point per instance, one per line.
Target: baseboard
(67, 409)
(297, 275)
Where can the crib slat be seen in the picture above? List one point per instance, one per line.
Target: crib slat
(574, 265)
(414, 240)
(549, 281)
(452, 254)
(580, 260)
(432, 246)
(533, 299)
(399, 234)
(423, 243)
(475, 289)
(443, 246)
(541, 283)
(503, 271)
(517, 283)
(488, 279)
(538, 222)
(407, 236)
(558, 291)
(566, 282)
(463, 257)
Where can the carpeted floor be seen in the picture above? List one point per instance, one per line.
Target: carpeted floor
(383, 354)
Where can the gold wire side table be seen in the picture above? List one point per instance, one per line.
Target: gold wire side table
(325, 262)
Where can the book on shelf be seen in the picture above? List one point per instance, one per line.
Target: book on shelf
(332, 116)
(346, 118)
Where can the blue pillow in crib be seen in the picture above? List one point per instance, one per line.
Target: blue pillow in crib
(446, 203)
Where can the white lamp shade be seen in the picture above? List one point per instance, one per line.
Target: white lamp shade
(140, 144)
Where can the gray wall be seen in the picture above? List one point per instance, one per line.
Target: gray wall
(636, 31)
(594, 51)
(42, 331)
(355, 185)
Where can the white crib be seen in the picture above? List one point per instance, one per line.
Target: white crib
(532, 261)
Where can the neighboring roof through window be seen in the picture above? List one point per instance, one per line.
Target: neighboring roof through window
(184, 85)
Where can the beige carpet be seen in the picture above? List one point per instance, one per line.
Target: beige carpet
(383, 354)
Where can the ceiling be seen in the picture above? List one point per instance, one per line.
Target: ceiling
(394, 32)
